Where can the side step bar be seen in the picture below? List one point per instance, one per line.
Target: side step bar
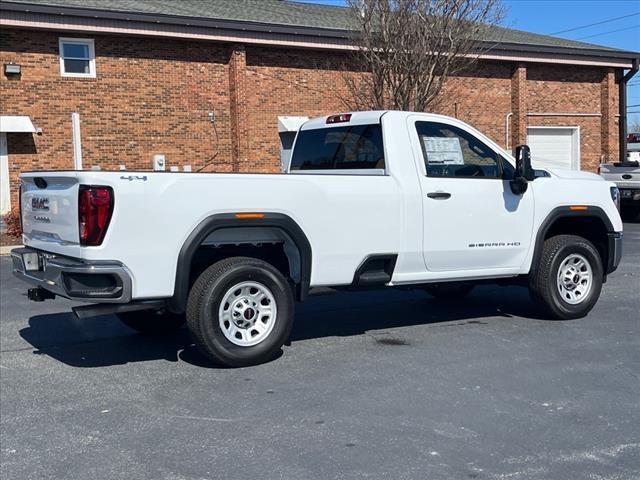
(87, 311)
(375, 270)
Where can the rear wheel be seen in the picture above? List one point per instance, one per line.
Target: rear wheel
(240, 311)
(568, 280)
(448, 291)
(152, 322)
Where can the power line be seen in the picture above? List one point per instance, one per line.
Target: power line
(607, 33)
(596, 23)
(631, 106)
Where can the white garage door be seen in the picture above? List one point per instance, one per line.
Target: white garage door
(553, 147)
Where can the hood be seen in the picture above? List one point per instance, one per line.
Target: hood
(574, 174)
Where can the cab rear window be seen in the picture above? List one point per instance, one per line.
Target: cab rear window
(355, 147)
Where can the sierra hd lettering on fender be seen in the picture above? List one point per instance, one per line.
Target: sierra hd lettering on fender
(569, 277)
(240, 311)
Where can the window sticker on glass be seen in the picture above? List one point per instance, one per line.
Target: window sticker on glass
(446, 151)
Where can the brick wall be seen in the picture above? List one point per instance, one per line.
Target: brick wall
(555, 91)
(154, 95)
(285, 82)
(149, 96)
(481, 98)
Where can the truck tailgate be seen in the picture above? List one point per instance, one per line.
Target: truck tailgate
(625, 176)
(50, 212)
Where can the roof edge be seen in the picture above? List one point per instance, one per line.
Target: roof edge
(307, 31)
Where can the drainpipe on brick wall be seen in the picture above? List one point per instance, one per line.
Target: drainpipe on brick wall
(506, 130)
(623, 109)
(77, 142)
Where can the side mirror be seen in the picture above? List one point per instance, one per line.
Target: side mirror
(523, 163)
(524, 171)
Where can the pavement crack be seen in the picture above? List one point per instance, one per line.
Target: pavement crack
(12, 350)
(209, 419)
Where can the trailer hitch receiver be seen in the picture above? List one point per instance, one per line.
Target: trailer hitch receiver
(39, 294)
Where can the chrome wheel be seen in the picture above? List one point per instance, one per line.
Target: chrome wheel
(247, 313)
(575, 278)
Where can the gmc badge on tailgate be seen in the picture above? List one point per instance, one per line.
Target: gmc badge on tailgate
(40, 203)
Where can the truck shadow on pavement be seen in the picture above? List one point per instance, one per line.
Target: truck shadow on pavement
(104, 341)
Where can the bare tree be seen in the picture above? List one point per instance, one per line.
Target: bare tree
(634, 126)
(408, 48)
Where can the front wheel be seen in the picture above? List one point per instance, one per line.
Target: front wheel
(240, 311)
(568, 280)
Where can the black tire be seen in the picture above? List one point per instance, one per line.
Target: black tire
(204, 304)
(152, 322)
(448, 291)
(543, 282)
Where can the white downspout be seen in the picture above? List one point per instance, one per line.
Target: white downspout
(77, 141)
(506, 130)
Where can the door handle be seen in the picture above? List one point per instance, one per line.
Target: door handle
(439, 195)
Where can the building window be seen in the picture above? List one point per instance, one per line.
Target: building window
(77, 57)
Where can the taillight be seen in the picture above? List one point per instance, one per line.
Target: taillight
(95, 206)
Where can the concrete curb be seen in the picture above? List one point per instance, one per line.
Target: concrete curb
(7, 250)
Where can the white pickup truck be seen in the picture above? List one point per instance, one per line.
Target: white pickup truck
(626, 176)
(370, 199)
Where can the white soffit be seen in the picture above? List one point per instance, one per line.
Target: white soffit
(290, 124)
(16, 123)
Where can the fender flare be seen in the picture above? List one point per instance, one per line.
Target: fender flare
(564, 212)
(178, 302)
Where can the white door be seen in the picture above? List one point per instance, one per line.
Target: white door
(472, 220)
(554, 147)
(5, 191)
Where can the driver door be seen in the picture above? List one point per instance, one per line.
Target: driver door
(472, 221)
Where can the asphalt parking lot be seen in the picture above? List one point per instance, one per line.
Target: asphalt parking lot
(383, 385)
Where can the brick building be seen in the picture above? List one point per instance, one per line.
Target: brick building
(209, 82)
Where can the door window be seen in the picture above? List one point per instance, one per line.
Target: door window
(449, 151)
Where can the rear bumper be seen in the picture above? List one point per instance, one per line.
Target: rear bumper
(615, 251)
(104, 282)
